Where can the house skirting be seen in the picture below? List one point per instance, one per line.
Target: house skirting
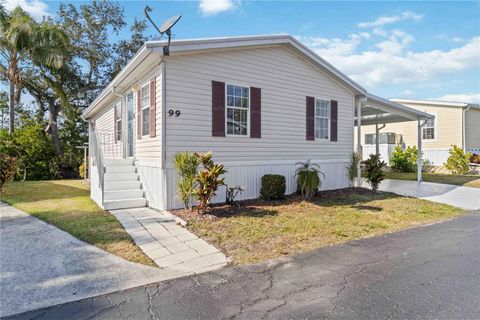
(249, 175)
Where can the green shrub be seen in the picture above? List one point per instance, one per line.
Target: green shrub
(458, 160)
(273, 186)
(232, 192)
(352, 167)
(8, 168)
(308, 179)
(208, 180)
(186, 164)
(404, 161)
(35, 151)
(374, 170)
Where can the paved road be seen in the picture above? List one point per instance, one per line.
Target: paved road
(41, 266)
(426, 272)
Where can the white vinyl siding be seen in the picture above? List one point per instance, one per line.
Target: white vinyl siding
(472, 130)
(285, 80)
(148, 149)
(104, 125)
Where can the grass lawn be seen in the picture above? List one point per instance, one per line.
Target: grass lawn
(66, 204)
(459, 180)
(259, 230)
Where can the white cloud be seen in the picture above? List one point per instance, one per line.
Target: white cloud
(212, 7)
(36, 8)
(462, 97)
(390, 61)
(381, 21)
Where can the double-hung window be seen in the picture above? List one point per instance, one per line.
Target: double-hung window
(118, 121)
(428, 130)
(322, 119)
(237, 110)
(145, 104)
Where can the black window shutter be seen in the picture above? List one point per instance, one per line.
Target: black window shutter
(255, 112)
(218, 109)
(333, 120)
(310, 118)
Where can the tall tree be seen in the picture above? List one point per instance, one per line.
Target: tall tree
(125, 49)
(23, 41)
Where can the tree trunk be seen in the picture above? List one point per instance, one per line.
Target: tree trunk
(52, 128)
(11, 108)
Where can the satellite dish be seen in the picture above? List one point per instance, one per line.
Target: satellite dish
(169, 23)
(165, 28)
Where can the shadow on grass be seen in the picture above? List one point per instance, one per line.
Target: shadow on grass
(357, 198)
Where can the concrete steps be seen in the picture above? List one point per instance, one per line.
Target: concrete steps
(122, 186)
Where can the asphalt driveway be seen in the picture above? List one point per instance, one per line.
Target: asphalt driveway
(425, 272)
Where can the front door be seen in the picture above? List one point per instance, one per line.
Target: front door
(130, 125)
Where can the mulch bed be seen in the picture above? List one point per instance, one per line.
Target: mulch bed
(224, 211)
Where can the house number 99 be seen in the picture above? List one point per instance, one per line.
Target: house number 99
(175, 113)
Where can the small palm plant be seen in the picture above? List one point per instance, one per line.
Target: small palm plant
(308, 178)
(352, 167)
(186, 164)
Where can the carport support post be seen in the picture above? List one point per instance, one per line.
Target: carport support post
(419, 155)
(359, 141)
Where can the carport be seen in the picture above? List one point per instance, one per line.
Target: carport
(373, 110)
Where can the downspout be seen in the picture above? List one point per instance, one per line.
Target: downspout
(464, 143)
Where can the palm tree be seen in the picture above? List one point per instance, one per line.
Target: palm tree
(24, 41)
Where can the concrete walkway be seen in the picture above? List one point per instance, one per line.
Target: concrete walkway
(41, 266)
(462, 197)
(171, 246)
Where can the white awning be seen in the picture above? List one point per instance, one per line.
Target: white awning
(378, 110)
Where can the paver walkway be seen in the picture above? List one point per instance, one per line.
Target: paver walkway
(41, 266)
(170, 245)
(462, 197)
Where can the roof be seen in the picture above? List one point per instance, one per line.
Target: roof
(153, 50)
(379, 110)
(437, 103)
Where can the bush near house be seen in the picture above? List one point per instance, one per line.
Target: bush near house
(208, 180)
(273, 186)
(404, 161)
(186, 164)
(308, 178)
(458, 160)
(352, 167)
(374, 170)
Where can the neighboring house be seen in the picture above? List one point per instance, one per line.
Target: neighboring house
(455, 123)
(259, 103)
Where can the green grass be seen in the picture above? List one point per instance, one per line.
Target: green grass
(66, 204)
(459, 180)
(262, 230)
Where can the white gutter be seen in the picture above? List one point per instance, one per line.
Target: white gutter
(464, 111)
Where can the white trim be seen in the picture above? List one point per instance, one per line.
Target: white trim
(321, 117)
(134, 127)
(435, 129)
(115, 114)
(237, 108)
(436, 103)
(251, 163)
(144, 108)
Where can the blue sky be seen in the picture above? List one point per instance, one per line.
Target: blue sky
(394, 49)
